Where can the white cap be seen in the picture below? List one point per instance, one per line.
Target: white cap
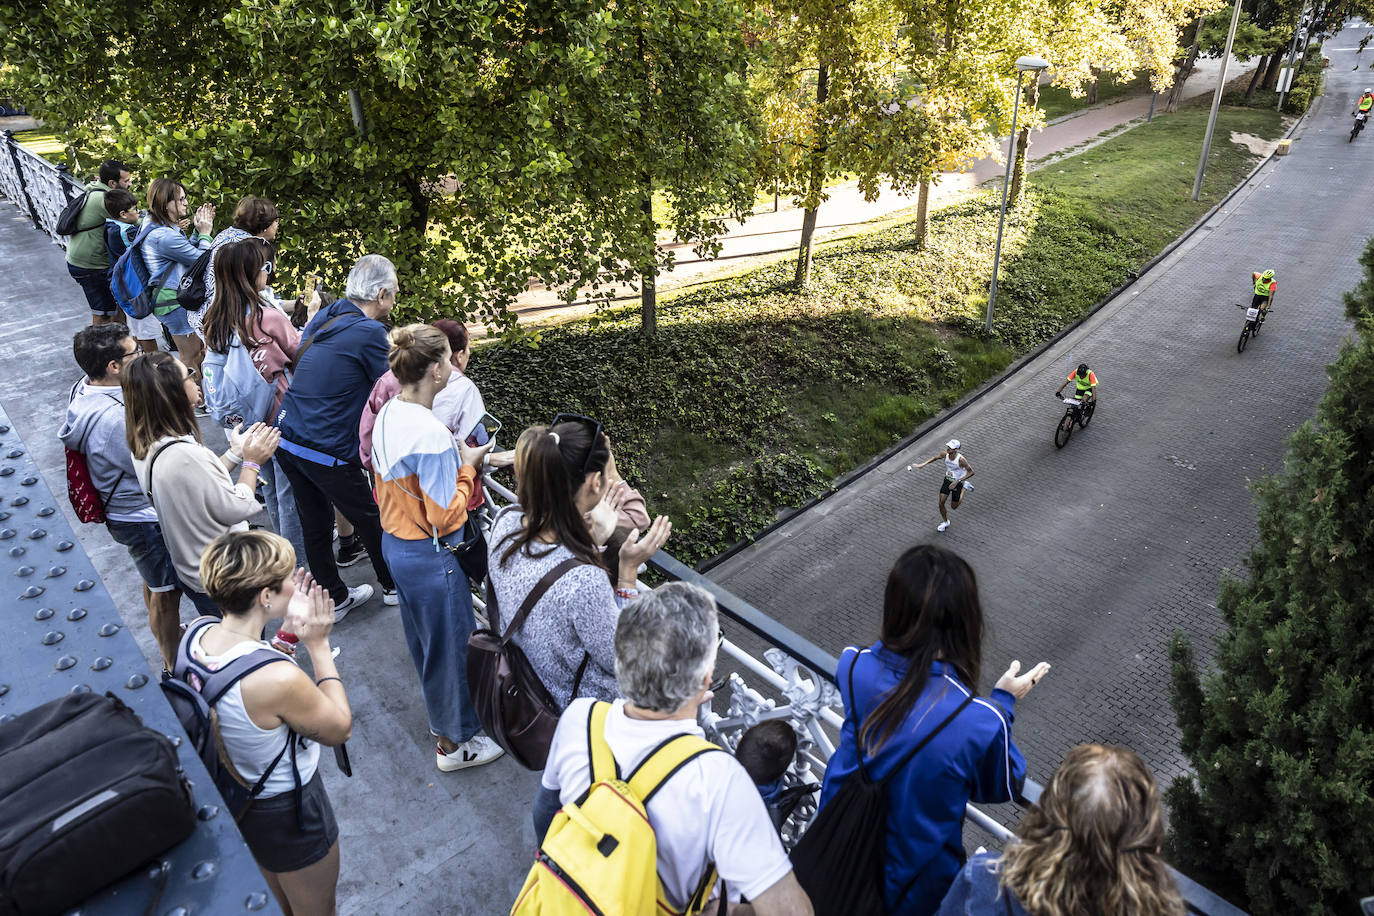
(953, 443)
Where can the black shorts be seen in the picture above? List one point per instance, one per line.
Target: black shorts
(955, 487)
(276, 840)
(1259, 301)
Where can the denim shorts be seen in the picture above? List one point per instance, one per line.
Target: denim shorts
(275, 837)
(177, 322)
(149, 553)
(96, 285)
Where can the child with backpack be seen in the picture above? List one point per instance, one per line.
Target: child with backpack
(229, 683)
(121, 228)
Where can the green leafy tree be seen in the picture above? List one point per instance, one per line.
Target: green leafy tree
(1281, 732)
(497, 141)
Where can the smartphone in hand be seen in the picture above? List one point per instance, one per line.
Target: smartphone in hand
(484, 432)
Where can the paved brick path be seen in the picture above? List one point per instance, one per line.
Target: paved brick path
(1091, 557)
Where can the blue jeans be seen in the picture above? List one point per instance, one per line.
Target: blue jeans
(176, 321)
(96, 285)
(144, 542)
(281, 507)
(436, 614)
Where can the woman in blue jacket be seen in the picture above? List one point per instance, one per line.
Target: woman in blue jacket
(169, 253)
(924, 668)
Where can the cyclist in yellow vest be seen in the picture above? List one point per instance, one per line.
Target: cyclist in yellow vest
(1085, 381)
(1265, 287)
(1366, 102)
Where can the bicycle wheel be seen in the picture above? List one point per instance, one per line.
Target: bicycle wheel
(1085, 416)
(1065, 429)
(1244, 338)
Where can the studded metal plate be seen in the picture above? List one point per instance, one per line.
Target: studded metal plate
(60, 633)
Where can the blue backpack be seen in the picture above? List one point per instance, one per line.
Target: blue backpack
(133, 287)
(235, 391)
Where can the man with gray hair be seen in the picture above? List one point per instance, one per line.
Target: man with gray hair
(342, 353)
(708, 811)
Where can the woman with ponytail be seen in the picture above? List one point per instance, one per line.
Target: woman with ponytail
(1090, 847)
(424, 482)
(919, 683)
(238, 313)
(562, 479)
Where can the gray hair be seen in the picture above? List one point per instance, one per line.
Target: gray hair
(372, 275)
(665, 644)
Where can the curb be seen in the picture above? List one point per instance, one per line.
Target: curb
(979, 393)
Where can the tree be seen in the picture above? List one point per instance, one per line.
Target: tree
(501, 142)
(1281, 734)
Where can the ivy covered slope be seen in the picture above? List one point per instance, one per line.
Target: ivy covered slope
(753, 397)
(1281, 734)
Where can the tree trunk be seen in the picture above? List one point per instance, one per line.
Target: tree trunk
(922, 203)
(1185, 70)
(1271, 72)
(1018, 169)
(815, 186)
(1254, 82)
(648, 274)
(1092, 87)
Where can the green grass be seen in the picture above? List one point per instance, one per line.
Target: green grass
(42, 142)
(753, 397)
(1055, 101)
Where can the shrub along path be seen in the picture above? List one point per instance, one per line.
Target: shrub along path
(753, 396)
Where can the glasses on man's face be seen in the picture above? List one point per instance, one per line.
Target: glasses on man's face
(586, 421)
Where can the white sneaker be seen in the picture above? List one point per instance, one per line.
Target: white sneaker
(390, 598)
(943, 526)
(968, 488)
(356, 596)
(472, 753)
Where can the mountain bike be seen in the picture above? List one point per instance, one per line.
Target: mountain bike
(1075, 412)
(1254, 320)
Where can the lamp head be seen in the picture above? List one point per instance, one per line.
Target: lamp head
(1032, 63)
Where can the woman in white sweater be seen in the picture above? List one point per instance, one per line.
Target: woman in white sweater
(187, 483)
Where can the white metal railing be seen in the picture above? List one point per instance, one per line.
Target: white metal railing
(35, 185)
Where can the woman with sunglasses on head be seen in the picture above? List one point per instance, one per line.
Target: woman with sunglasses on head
(424, 482)
(254, 218)
(187, 483)
(238, 314)
(1091, 845)
(562, 479)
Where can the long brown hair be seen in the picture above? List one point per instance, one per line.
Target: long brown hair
(236, 307)
(930, 610)
(155, 403)
(1090, 847)
(161, 193)
(552, 464)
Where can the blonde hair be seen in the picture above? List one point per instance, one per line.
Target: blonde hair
(1091, 846)
(414, 348)
(239, 564)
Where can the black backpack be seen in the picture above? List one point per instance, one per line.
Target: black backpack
(840, 859)
(192, 689)
(69, 220)
(88, 793)
(191, 290)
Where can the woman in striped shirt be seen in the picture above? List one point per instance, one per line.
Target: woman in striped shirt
(424, 482)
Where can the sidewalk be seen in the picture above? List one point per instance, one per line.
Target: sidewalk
(767, 236)
(1094, 556)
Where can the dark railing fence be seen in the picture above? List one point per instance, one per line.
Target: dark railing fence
(35, 185)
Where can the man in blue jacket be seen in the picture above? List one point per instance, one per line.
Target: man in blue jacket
(343, 352)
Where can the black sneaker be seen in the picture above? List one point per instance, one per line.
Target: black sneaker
(350, 550)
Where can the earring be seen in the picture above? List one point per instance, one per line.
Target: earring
(268, 605)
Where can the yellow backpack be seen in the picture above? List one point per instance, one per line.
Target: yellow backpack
(600, 855)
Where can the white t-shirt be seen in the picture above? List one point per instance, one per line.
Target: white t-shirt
(708, 811)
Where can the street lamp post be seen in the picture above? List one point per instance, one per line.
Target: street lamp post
(1034, 65)
(1216, 103)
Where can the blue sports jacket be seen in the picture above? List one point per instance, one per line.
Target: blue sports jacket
(330, 386)
(972, 759)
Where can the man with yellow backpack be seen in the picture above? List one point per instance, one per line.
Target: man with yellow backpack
(653, 816)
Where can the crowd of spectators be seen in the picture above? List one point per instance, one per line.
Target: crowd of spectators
(368, 432)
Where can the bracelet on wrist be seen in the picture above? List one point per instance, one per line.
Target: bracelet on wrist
(232, 457)
(252, 465)
(627, 593)
(330, 678)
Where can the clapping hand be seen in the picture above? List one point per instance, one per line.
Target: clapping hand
(256, 444)
(310, 615)
(1018, 685)
(602, 517)
(638, 548)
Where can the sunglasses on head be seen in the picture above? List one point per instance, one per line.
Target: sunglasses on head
(587, 421)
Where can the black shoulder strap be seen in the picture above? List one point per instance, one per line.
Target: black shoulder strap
(152, 461)
(535, 594)
(305, 344)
